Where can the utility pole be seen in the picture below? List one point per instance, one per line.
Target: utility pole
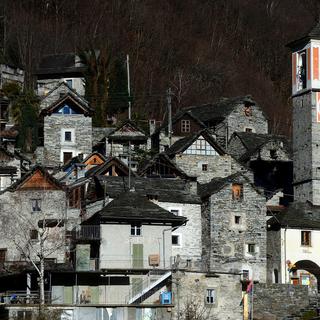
(129, 91)
(129, 117)
(169, 116)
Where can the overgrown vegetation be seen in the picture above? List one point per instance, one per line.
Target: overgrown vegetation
(24, 112)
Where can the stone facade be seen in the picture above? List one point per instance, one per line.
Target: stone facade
(54, 146)
(44, 86)
(18, 219)
(274, 263)
(190, 289)
(237, 234)
(280, 301)
(189, 246)
(306, 149)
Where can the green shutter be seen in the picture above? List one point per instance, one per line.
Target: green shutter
(137, 255)
(67, 295)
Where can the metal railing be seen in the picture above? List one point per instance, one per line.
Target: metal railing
(24, 297)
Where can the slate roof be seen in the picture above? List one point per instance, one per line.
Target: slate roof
(133, 206)
(73, 100)
(211, 112)
(255, 141)
(159, 159)
(313, 33)
(59, 64)
(117, 135)
(166, 190)
(216, 184)
(182, 144)
(299, 215)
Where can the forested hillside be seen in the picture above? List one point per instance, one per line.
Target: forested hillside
(202, 49)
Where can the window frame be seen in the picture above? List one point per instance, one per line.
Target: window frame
(251, 245)
(211, 296)
(185, 126)
(179, 237)
(136, 230)
(237, 195)
(72, 135)
(204, 167)
(38, 204)
(34, 235)
(175, 209)
(306, 241)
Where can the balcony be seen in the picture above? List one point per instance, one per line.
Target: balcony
(87, 233)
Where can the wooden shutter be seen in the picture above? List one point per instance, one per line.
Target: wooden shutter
(137, 255)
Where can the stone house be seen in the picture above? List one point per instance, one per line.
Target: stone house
(221, 118)
(200, 156)
(293, 242)
(35, 199)
(57, 68)
(67, 126)
(234, 226)
(270, 159)
(177, 196)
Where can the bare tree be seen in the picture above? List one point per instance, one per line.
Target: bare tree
(36, 235)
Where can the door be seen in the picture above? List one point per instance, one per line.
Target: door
(137, 255)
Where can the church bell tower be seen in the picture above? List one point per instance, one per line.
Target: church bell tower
(306, 116)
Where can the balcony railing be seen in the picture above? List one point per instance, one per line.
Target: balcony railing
(87, 233)
(24, 297)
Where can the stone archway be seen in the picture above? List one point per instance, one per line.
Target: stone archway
(309, 266)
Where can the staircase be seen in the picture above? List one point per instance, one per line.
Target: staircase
(148, 289)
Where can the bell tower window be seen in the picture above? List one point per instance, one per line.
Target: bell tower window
(302, 70)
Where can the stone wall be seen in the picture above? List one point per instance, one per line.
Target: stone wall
(217, 166)
(230, 240)
(191, 289)
(53, 142)
(280, 300)
(238, 121)
(274, 255)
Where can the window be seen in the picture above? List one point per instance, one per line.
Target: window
(276, 276)
(66, 110)
(175, 211)
(211, 296)
(306, 238)
(176, 240)
(201, 147)
(273, 154)
(136, 229)
(301, 70)
(185, 126)
(251, 248)
(248, 129)
(237, 191)
(248, 110)
(35, 205)
(67, 156)
(67, 136)
(204, 167)
(3, 254)
(237, 219)
(34, 234)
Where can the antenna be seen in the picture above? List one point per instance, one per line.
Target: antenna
(169, 116)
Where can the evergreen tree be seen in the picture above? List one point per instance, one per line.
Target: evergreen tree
(24, 111)
(118, 89)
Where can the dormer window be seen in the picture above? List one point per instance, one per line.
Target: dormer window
(302, 70)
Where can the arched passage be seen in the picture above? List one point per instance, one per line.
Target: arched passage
(310, 267)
